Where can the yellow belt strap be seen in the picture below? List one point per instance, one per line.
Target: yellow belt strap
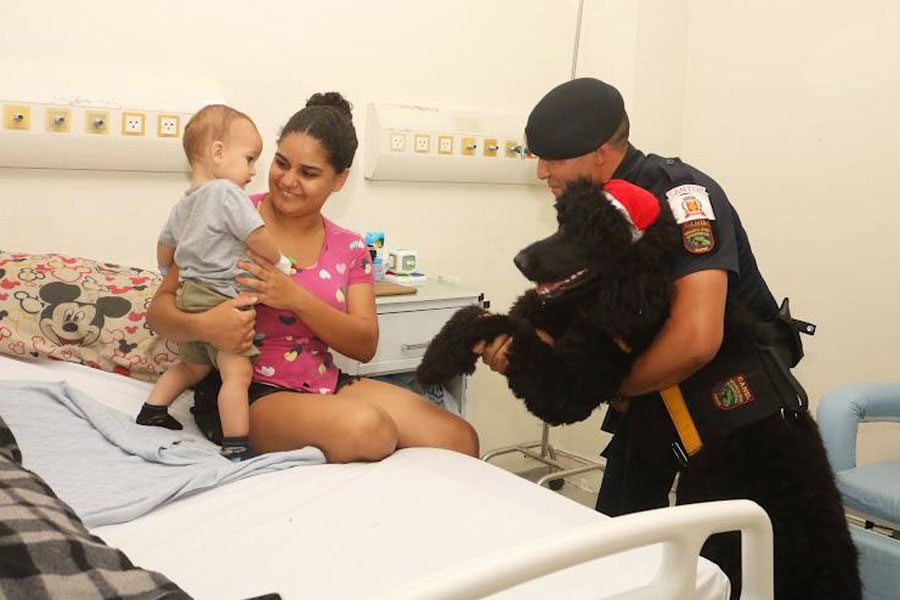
(680, 416)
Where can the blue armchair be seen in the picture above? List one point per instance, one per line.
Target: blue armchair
(871, 492)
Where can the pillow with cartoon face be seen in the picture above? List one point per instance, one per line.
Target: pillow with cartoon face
(81, 311)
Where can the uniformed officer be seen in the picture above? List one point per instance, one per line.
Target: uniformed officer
(580, 129)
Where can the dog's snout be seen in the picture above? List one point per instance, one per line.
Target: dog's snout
(70, 327)
(523, 263)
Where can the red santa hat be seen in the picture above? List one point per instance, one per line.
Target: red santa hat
(639, 207)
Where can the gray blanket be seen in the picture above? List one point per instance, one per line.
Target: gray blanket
(109, 469)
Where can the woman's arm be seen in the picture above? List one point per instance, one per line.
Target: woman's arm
(228, 326)
(353, 333)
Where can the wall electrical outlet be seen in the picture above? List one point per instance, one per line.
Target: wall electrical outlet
(445, 144)
(398, 142)
(423, 142)
(490, 147)
(168, 126)
(513, 149)
(133, 123)
(58, 120)
(96, 121)
(16, 116)
(468, 146)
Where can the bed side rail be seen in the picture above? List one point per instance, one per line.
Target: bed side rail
(681, 531)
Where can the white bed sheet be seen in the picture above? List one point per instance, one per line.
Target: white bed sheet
(351, 531)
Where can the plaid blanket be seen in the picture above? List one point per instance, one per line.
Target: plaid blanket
(47, 553)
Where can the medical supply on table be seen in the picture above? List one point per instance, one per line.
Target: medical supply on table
(406, 279)
(402, 261)
(375, 243)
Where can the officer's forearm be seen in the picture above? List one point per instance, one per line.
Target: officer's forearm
(689, 339)
(660, 367)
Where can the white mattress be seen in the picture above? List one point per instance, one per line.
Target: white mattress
(351, 531)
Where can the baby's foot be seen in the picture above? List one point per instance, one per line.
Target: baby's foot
(237, 449)
(157, 416)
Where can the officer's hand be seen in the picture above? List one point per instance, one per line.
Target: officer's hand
(493, 353)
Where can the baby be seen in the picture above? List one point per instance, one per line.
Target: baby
(206, 235)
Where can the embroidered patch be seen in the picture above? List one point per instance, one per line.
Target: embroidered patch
(698, 236)
(689, 203)
(732, 393)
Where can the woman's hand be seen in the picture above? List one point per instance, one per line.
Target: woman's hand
(271, 286)
(230, 325)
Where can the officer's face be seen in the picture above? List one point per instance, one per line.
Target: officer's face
(559, 173)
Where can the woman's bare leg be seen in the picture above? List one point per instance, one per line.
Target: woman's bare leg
(345, 429)
(418, 421)
(366, 420)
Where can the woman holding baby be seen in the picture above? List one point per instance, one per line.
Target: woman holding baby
(298, 396)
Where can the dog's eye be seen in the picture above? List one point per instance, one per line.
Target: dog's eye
(79, 316)
(67, 316)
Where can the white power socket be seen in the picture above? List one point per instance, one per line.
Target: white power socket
(133, 123)
(423, 142)
(398, 142)
(168, 126)
(445, 144)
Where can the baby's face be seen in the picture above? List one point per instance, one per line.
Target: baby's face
(242, 148)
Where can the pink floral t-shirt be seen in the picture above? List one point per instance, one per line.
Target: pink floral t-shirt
(291, 356)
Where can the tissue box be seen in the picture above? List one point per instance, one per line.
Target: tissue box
(402, 261)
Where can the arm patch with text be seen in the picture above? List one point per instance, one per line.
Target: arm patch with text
(693, 212)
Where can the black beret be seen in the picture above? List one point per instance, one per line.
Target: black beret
(574, 118)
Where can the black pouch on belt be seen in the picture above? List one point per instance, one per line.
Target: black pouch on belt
(735, 389)
(783, 335)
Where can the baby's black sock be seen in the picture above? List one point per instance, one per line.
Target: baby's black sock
(237, 449)
(157, 416)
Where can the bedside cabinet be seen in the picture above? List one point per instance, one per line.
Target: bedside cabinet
(406, 324)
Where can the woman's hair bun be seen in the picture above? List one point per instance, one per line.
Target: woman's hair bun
(334, 100)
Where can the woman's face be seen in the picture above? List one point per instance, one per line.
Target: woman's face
(300, 178)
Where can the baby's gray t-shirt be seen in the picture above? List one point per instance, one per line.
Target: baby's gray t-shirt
(208, 229)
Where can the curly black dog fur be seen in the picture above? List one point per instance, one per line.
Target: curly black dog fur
(598, 327)
(622, 303)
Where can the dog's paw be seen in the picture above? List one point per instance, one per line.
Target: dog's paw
(450, 353)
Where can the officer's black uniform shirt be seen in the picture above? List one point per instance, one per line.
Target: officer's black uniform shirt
(730, 249)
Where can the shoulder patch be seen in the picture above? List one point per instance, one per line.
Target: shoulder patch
(697, 236)
(690, 202)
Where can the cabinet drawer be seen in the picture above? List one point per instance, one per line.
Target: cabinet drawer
(403, 338)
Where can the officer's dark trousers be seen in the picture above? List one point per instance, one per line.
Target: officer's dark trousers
(629, 484)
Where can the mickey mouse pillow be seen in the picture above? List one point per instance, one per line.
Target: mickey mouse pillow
(81, 311)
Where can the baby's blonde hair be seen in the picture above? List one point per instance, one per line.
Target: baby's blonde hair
(209, 124)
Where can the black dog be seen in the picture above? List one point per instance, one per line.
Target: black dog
(603, 291)
(600, 296)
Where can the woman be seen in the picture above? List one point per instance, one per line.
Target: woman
(298, 397)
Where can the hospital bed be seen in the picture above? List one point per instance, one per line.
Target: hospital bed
(423, 523)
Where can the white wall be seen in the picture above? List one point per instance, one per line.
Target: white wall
(266, 60)
(792, 107)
